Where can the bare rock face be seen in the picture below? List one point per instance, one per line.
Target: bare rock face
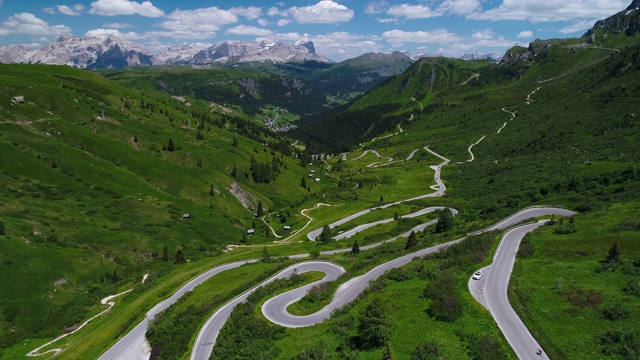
(92, 52)
(626, 21)
(17, 100)
(276, 52)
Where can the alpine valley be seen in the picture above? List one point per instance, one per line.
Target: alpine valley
(128, 178)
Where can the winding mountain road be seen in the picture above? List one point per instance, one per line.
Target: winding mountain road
(134, 345)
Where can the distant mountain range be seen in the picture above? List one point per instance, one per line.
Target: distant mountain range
(113, 53)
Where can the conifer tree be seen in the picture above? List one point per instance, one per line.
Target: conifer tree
(445, 221)
(180, 257)
(325, 235)
(355, 249)
(303, 183)
(411, 241)
(165, 253)
(259, 210)
(170, 146)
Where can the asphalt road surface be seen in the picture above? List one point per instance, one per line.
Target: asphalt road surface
(134, 346)
(495, 294)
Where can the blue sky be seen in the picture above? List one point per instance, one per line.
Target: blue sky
(340, 29)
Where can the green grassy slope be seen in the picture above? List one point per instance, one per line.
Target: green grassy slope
(90, 202)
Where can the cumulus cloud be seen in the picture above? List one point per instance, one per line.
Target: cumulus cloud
(376, 7)
(27, 23)
(248, 30)
(324, 12)
(527, 34)
(103, 33)
(125, 7)
(438, 36)
(64, 9)
(483, 34)
(208, 20)
(251, 12)
(283, 22)
(460, 7)
(579, 26)
(413, 11)
(551, 10)
(273, 11)
(264, 22)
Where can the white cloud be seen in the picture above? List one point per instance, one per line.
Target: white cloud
(273, 11)
(483, 34)
(413, 11)
(461, 7)
(103, 33)
(551, 10)
(64, 9)
(283, 22)
(78, 7)
(207, 20)
(49, 10)
(579, 26)
(125, 7)
(438, 36)
(324, 12)
(343, 45)
(248, 30)
(251, 12)
(376, 7)
(118, 25)
(527, 34)
(264, 22)
(27, 23)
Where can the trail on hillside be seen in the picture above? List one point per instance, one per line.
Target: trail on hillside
(106, 301)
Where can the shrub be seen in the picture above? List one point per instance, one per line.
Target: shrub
(616, 311)
(621, 342)
(633, 287)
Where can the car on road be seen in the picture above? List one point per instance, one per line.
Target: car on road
(477, 275)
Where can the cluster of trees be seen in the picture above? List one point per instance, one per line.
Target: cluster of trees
(265, 172)
(336, 131)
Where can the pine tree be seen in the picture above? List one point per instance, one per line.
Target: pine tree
(303, 183)
(115, 277)
(395, 216)
(259, 210)
(180, 257)
(355, 249)
(325, 235)
(54, 165)
(381, 199)
(234, 142)
(411, 241)
(234, 171)
(165, 253)
(374, 328)
(445, 221)
(212, 192)
(135, 138)
(170, 146)
(265, 254)
(613, 257)
(2, 228)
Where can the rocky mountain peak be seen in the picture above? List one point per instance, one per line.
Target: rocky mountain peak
(634, 5)
(626, 21)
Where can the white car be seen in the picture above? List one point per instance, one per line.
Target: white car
(477, 275)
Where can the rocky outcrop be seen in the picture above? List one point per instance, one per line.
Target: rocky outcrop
(626, 21)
